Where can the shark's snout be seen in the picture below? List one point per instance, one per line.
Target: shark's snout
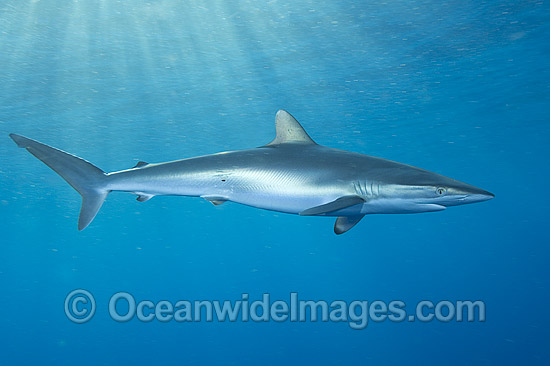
(473, 194)
(480, 197)
(461, 193)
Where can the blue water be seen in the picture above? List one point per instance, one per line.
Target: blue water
(461, 88)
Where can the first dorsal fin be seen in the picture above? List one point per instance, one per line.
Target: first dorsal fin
(289, 130)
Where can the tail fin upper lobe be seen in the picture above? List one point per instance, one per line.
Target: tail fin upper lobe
(86, 178)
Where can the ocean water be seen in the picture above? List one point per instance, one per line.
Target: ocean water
(461, 88)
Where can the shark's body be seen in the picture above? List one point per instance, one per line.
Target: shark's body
(291, 174)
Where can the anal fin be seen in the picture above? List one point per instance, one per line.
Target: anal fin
(142, 197)
(215, 200)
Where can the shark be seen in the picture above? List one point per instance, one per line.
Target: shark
(291, 174)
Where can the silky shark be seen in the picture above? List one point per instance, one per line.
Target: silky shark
(291, 174)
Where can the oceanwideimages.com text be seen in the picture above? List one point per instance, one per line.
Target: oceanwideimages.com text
(80, 307)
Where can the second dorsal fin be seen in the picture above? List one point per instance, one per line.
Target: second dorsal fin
(289, 130)
(140, 164)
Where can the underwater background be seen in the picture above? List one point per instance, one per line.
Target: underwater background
(461, 88)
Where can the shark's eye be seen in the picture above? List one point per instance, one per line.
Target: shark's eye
(440, 191)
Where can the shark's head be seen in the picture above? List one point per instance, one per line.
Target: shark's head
(410, 189)
(456, 193)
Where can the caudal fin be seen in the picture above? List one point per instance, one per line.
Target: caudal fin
(86, 178)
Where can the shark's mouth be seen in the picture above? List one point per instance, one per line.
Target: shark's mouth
(400, 206)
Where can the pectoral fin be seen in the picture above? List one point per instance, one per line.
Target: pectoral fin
(338, 204)
(344, 223)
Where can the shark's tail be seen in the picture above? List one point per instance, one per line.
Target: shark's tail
(86, 178)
